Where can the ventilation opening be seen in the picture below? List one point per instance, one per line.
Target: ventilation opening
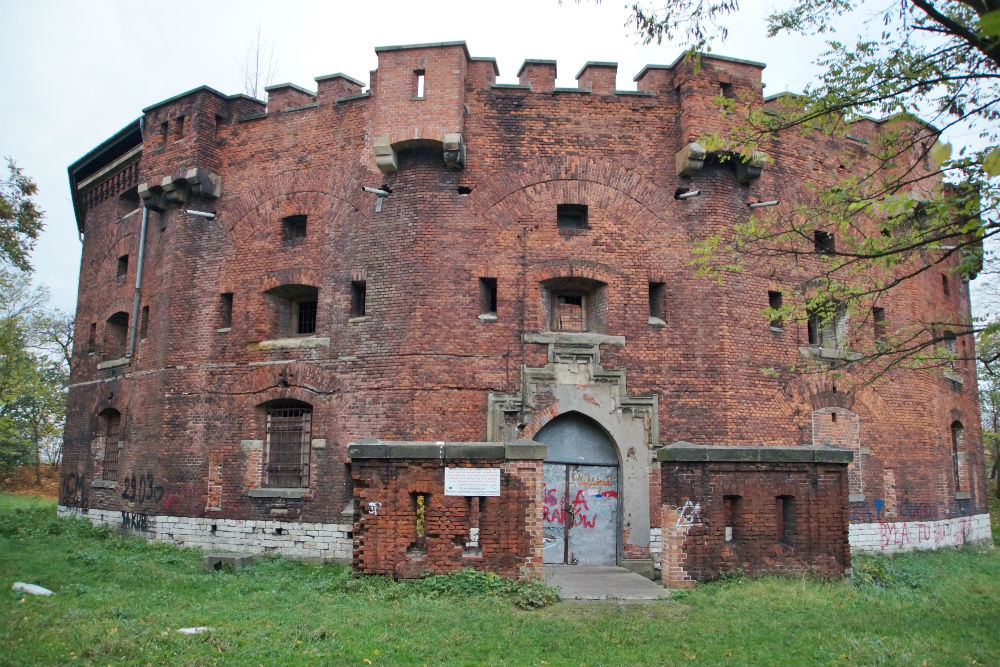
(571, 216)
(464, 190)
(279, 531)
(359, 295)
(214, 527)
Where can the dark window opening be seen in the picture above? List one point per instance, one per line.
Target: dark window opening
(179, 128)
(289, 433)
(305, 316)
(128, 202)
(731, 508)
(827, 325)
(823, 243)
(571, 216)
(110, 424)
(359, 295)
(944, 285)
(293, 229)
(225, 310)
(92, 337)
(574, 304)
(122, 269)
(878, 322)
(774, 301)
(115, 335)
(143, 322)
(569, 313)
(488, 296)
(786, 519)
(464, 190)
(220, 125)
(833, 417)
(657, 292)
(163, 131)
(418, 83)
(727, 90)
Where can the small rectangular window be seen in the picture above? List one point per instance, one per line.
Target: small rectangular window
(571, 216)
(657, 310)
(786, 519)
(823, 243)
(359, 294)
(289, 430)
(225, 310)
(944, 285)
(179, 128)
(305, 316)
(774, 302)
(419, 83)
(488, 296)
(569, 315)
(112, 434)
(143, 323)
(727, 90)
(164, 126)
(122, 269)
(293, 229)
(92, 336)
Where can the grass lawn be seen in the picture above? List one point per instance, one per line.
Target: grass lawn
(120, 601)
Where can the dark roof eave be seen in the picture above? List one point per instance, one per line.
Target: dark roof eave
(119, 143)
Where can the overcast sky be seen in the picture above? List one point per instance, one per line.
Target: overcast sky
(76, 72)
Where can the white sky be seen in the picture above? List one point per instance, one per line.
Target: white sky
(75, 72)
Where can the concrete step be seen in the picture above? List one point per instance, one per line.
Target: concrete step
(598, 582)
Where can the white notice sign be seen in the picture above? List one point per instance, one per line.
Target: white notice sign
(472, 481)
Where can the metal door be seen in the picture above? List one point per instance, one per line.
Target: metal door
(580, 514)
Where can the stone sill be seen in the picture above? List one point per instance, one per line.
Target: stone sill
(304, 343)
(962, 495)
(685, 451)
(777, 330)
(358, 319)
(223, 330)
(113, 363)
(563, 338)
(384, 449)
(856, 497)
(831, 353)
(487, 317)
(656, 322)
(103, 484)
(274, 492)
(954, 377)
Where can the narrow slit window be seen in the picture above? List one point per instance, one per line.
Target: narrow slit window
(774, 302)
(786, 519)
(111, 426)
(92, 337)
(144, 323)
(657, 311)
(731, 508)
(225, 310)
(179, 131)
(419, 74)
(878, 323)
(164, 126)
(488, 296)
(944, 285)
(359, 295)
(957, 436)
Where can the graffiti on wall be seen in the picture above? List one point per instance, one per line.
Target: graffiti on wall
(690, 515)
(137, 521)
(875, 511)
(925, 535)
(73, 491)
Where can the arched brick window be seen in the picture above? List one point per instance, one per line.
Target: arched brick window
(289, 434)
(116, 335)
(110, 422)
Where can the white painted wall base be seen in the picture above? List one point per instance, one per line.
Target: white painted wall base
(328, 541)
(896, 537)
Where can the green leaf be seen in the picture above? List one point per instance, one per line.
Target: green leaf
(989, 24)
(940, 152)
(991, 163)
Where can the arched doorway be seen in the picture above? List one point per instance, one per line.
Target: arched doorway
(580, 496)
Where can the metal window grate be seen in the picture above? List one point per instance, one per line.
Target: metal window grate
(288, 438)
(112, 430)
(306, 317)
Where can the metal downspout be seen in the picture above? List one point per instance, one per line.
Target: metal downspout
(134, 324)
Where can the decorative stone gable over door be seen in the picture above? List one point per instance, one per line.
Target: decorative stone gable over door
(573, 380)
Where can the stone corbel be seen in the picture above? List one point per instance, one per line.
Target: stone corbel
(454, 151)
(175, 192)
(749, 170)
(152, 197)
(385, 156)
(203, 182)
(690, 159)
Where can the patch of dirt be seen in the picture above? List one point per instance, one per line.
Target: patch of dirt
(22, 482)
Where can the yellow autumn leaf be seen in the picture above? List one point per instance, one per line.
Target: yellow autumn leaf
(940, 152)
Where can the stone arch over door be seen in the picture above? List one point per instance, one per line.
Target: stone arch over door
(580, 496)
(574, 382)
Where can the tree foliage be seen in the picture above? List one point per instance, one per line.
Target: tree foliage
(929, 69)
(20, 218)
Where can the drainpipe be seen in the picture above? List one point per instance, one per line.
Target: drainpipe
(134, 324)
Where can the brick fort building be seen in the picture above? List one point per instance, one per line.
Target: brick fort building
(499, 354)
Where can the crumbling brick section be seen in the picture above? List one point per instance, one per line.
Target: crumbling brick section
(756, 510)
(405, 525)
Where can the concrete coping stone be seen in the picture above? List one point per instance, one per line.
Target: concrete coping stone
(348, 98)
(339, 75)
(279, 86)
(511, 86)
(585, 91)
(274, 492)
(371, 448)
(562, 338)
(250, 117)
(637, 93)
(685, 451)
(594, 63)
(302, 107)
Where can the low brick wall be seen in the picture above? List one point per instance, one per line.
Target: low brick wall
(759, 510)
(405, 525)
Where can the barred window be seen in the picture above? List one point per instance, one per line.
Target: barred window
(289, 433)
(110, 425)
